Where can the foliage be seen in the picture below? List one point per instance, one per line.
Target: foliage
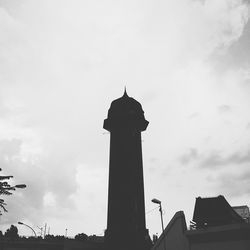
(54, 237)
(12, 232)
(81, 236)
(6, 189)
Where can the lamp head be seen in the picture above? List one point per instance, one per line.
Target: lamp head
(156, 201)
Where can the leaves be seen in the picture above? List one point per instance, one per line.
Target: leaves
(5, 189)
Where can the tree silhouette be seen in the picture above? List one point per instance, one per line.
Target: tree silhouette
(81, 236)
(12, 232)
(6, 189)
(54, 237)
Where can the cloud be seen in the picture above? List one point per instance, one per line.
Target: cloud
(237, 53)
(192, 155)
(224, 109)
(226, 20)
(41, 178)
(193, 115)
(221, 173)
(216, 159)
(234, 184)
(29, 198)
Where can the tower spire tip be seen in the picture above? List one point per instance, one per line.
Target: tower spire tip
(125, 92)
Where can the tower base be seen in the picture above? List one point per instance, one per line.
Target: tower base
(127, 241)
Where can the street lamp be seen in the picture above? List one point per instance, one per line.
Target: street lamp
(20, 186)
(156, 201)
(21, 223)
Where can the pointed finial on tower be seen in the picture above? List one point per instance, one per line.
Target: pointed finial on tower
(125, 92)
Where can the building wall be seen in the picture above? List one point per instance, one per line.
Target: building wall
(173, 237)
(243, 211)
(226, 245)
(228, 237)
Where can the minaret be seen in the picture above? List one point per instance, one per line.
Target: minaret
(126, 208)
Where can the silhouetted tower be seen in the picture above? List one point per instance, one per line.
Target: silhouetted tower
(126, 208)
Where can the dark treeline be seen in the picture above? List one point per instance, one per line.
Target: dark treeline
(12, 234)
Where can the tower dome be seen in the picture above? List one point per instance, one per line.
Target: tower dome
(125, 112)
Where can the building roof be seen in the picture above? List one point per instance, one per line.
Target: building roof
(214, 211)
(173, 234)
(243, 206)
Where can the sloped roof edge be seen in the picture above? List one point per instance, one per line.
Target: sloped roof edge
(178, 215)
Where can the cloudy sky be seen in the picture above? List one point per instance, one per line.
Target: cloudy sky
(63, 62)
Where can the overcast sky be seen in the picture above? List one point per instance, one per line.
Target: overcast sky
(63, 62)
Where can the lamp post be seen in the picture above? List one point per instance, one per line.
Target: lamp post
(156, 201)
(41, 230)
(21, 223)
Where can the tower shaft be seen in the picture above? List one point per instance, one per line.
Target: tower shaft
(126, 227)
